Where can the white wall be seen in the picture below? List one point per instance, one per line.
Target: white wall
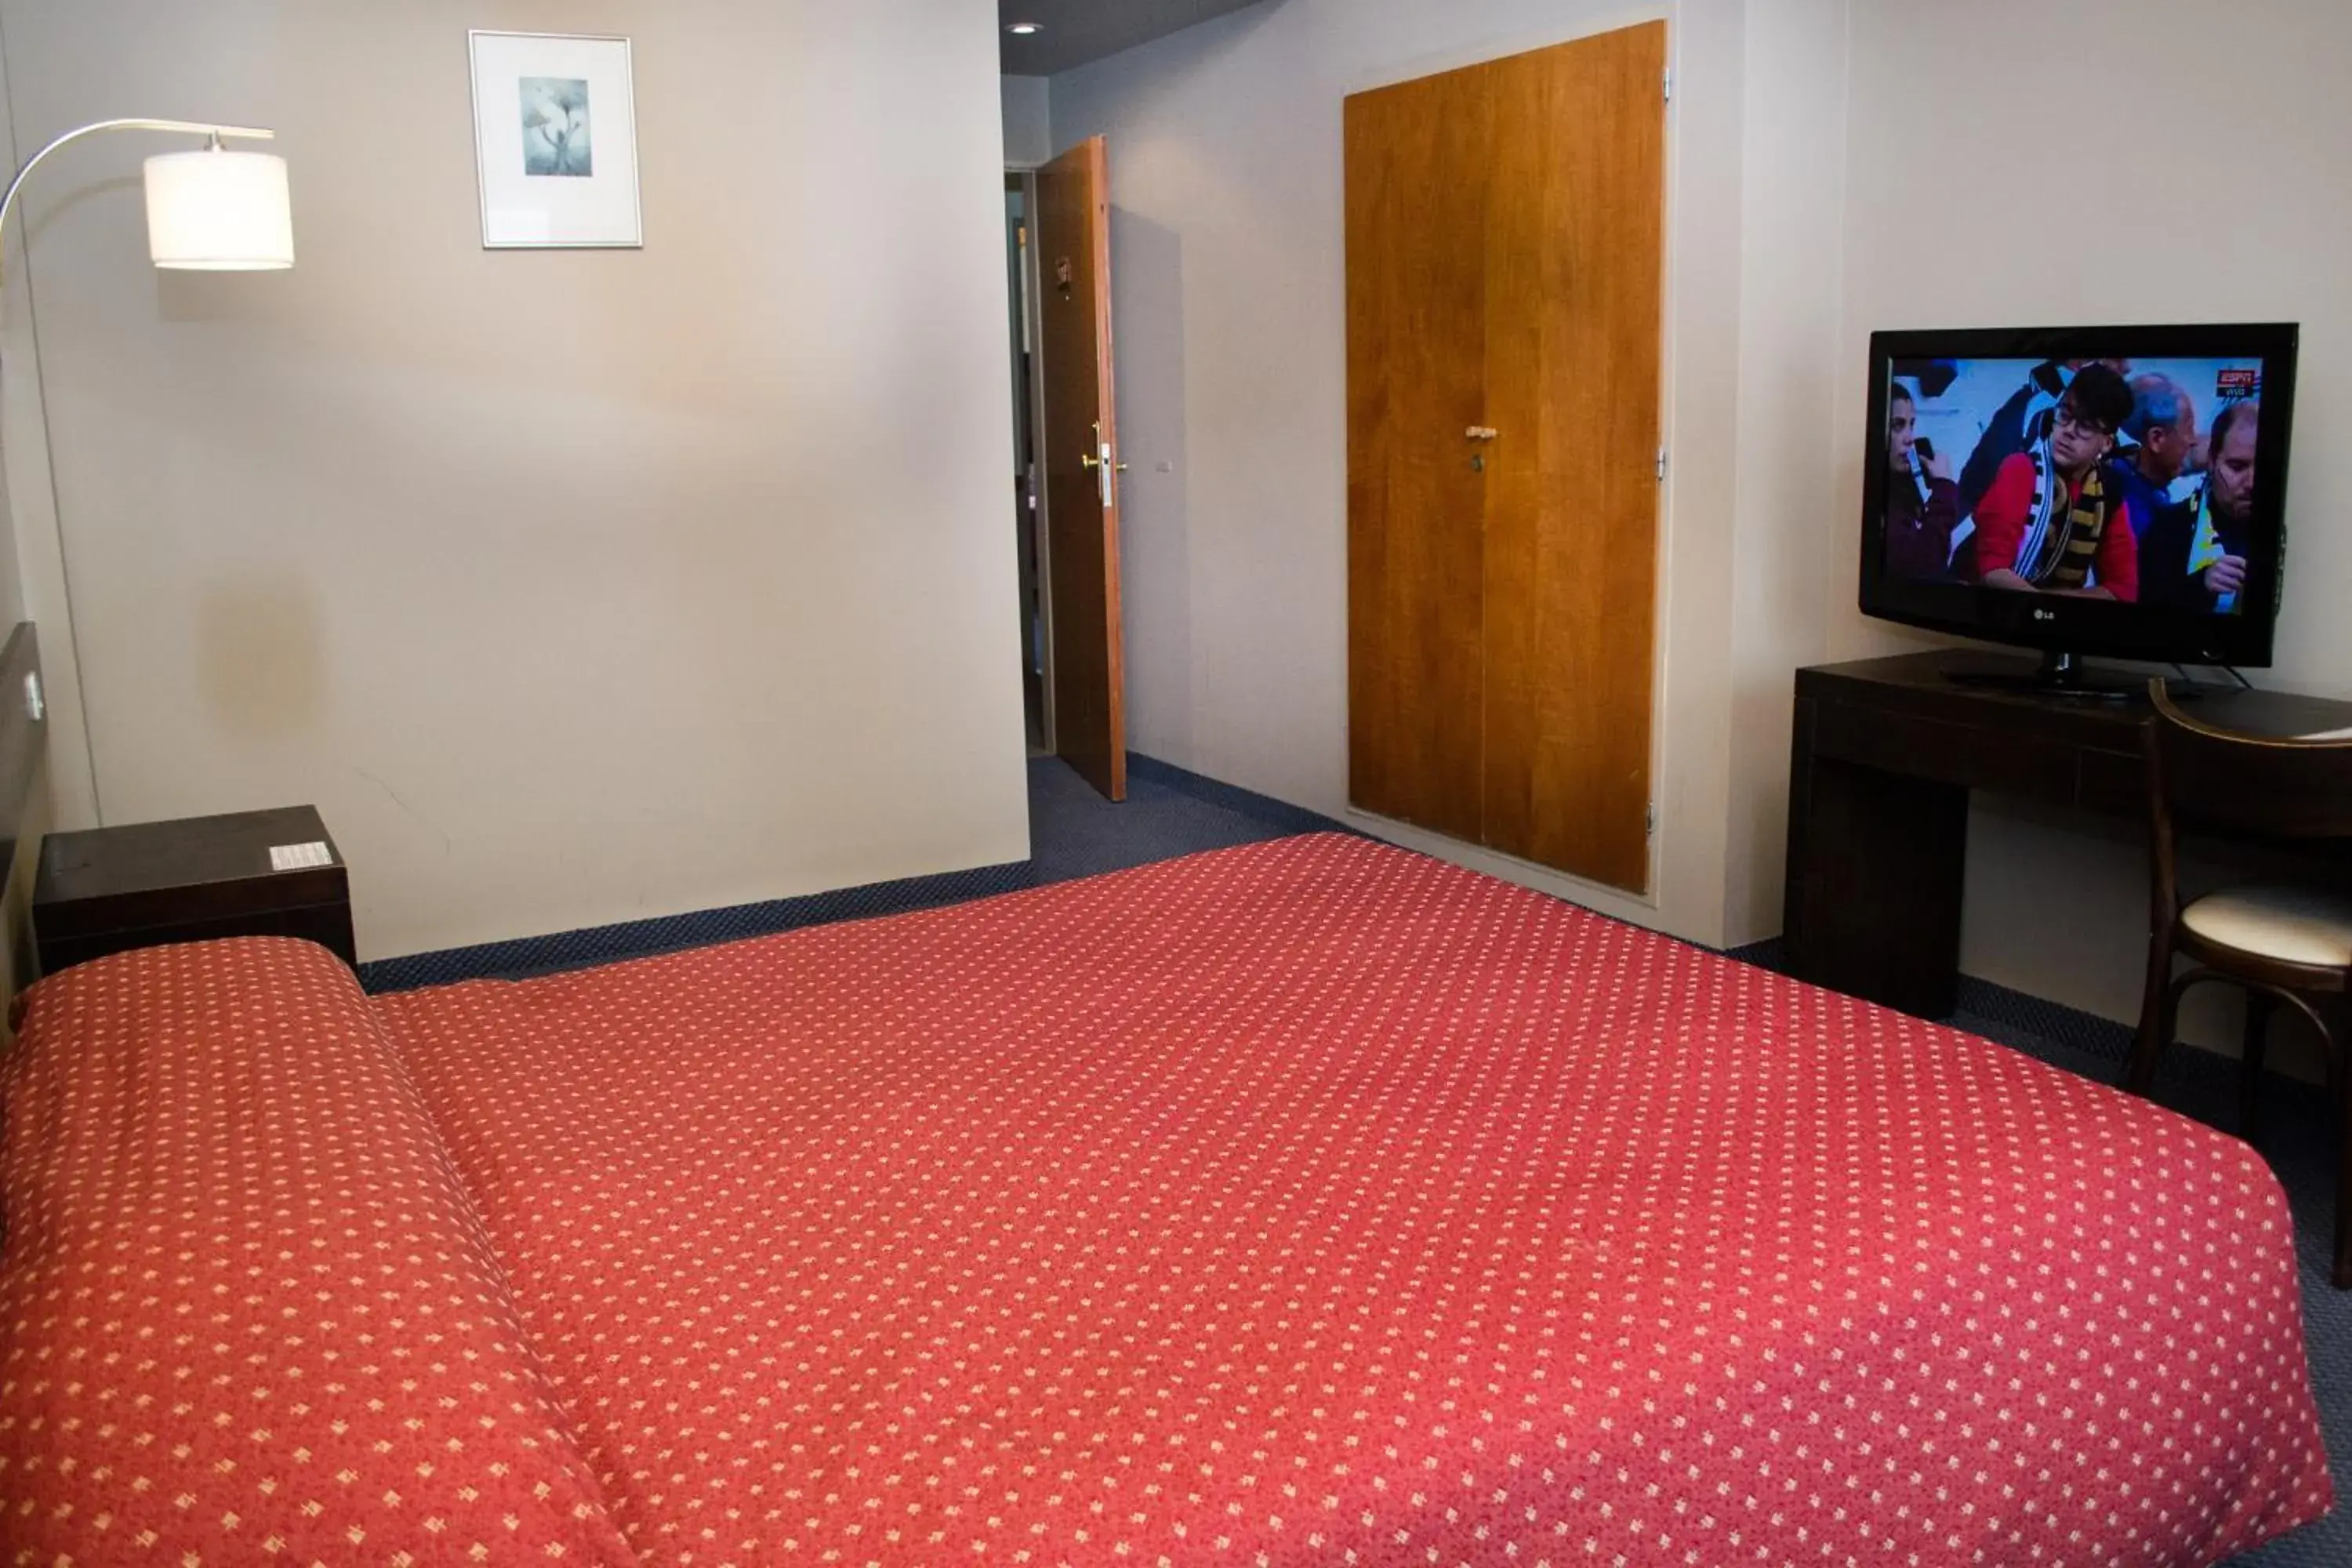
(1837, 168)
(27, 508)
(15, 319)
(1230, 277)
(2207, 146)
(548, 577)
(1791, 269)
(1028, 126)
(573, 586)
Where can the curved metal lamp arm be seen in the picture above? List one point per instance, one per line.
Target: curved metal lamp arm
(187, 127)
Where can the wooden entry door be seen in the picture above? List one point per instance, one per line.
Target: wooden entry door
(1506, 272)
(1081, 445)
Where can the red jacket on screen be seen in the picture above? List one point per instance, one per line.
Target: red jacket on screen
(2001, 529)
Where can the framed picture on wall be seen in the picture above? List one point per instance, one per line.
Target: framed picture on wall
(555, 140)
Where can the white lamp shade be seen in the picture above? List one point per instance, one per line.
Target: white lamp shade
(217, 211)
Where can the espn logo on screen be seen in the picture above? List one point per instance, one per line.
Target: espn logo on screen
(2232, 384)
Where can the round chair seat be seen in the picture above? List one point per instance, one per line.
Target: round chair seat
(2292, 925)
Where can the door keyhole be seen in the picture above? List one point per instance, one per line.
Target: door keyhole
(1480, 433)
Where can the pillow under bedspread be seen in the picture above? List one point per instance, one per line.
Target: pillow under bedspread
(246, 1313)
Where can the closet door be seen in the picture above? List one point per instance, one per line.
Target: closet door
(1416, 382)
(1505, 312)
(1575, 281)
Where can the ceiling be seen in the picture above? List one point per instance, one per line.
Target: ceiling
(1078, 31)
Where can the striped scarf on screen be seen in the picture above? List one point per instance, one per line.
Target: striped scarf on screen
(2061, 541)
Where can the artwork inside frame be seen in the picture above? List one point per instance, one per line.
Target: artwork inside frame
(555, 132)
(555, 140)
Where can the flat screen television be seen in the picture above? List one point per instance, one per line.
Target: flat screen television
(2082, 491)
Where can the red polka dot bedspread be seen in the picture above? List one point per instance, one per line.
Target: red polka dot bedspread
(1310, 1202)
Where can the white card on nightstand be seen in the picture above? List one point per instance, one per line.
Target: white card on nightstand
(300, 856)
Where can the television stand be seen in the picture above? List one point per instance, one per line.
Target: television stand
(1882, 763)
(2061, 676)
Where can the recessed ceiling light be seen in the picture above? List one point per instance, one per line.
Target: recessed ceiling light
(1022, 29)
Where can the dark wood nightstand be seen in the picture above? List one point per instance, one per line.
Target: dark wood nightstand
(255, 873)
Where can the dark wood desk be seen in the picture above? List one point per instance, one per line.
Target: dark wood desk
(1885, 754)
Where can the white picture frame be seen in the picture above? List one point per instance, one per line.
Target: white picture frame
(555, 140)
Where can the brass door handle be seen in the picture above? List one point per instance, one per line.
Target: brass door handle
(1099, 463)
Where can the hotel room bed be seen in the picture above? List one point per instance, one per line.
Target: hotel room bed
(1308, 1202)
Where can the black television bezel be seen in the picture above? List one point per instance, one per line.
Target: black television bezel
(2056, 623)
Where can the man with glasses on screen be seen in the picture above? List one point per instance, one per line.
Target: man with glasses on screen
(2020, 422)
(2053, 520)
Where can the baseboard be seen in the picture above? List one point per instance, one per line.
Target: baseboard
(1276, 814)
(1996, 1010)
(528, 956)
(1978, 999)
(2052, 1021)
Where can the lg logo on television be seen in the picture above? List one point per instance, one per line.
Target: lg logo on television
(2045, 614)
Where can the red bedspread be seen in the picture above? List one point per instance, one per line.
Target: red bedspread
(1316, 1202)
(246, 1314)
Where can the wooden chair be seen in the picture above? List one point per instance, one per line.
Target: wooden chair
(2283, 946)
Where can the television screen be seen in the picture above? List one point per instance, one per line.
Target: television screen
(2100, 490)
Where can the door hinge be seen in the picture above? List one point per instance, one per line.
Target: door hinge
(1661, 464)
(1650, 820)
(1669, 84)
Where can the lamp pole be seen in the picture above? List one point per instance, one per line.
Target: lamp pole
(258, 233)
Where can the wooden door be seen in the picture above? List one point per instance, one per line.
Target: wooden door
(1505, 262)
(1081, 441)
(1416, 380)
(1575, 269)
